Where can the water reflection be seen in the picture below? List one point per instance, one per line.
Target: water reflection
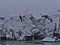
(27, 43)
(2, 43)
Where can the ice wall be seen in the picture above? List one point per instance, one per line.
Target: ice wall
(27, 23)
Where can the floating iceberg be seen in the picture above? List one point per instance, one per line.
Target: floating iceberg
(47, 39)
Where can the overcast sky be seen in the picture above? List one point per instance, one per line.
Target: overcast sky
(29, 3)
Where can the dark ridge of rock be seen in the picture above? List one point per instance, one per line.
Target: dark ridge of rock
(20, 18)
(2, 18)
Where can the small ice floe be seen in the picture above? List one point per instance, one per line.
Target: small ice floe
(48, 39)
(8, 37)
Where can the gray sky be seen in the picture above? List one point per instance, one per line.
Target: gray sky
(29, 3)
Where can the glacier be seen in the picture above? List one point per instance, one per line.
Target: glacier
(28, 23)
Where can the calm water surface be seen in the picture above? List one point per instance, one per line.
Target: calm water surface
(27, 43)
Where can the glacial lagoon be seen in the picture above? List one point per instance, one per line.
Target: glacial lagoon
(27, 43)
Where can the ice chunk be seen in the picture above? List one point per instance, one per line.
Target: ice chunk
(48, 39)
